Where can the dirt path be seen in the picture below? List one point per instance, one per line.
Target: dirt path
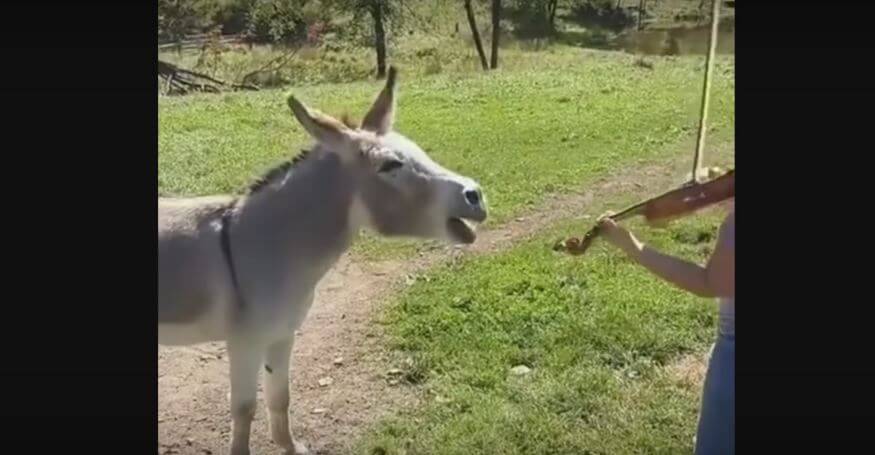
(338, 345)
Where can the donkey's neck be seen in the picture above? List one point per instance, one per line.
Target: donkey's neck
(291, 232)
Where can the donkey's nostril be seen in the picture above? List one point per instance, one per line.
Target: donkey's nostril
(473, 197)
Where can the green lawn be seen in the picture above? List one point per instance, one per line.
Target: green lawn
(522, 133)
(596, 332)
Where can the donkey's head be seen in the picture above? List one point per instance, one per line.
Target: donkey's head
(400, 190)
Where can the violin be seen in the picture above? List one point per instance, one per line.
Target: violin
(673, 204)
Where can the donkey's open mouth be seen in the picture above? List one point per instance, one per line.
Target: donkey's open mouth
(462, 230)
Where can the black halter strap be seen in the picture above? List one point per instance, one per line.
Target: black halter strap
(225, 236)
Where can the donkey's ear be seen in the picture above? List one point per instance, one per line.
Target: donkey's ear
(381, 116)
(321, 127)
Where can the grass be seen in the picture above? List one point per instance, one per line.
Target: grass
(523, 132)
(596, 331)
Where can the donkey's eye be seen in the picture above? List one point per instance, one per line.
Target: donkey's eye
(390, 165)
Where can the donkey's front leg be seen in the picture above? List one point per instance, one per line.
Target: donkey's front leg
(245, 359)
(277, 395)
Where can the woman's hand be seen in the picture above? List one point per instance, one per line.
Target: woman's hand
(618, 235)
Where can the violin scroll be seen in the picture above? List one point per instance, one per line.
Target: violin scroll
(575, 246)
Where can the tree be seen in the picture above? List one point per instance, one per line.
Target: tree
(642, 5)
(496, 32)
(177, 18)
(552, 5)
(533, 18)
(472, 22)
(381, 12)
(379, 37)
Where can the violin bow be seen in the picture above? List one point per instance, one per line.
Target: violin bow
(706, 91)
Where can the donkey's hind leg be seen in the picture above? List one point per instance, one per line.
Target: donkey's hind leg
(245, 359)
(277, 395)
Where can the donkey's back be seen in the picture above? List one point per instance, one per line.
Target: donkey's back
(191, 272)
(176, 214)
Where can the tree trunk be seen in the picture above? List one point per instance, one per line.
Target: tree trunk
(641, 6)
(473, 24)
(496, 32)
(379, 37)
(552, 6)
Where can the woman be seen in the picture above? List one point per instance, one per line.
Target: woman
(716, 432)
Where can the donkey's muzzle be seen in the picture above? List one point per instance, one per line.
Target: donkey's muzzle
(469, 210)
(475, 207)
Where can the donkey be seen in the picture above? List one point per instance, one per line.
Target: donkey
(244, 270)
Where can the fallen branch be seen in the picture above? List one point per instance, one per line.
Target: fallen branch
(185, 81)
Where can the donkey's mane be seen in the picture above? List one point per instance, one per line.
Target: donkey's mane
(279, 171)
(283, 169)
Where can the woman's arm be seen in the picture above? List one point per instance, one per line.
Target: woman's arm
(716, 279)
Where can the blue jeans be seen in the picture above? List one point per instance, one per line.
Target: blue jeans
(716, 433)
